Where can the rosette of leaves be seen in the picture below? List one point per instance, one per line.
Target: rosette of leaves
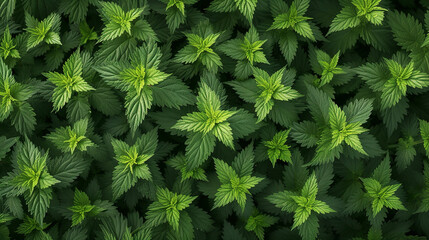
(329, 73)
(258, 221)
(289, 23)
(82, 208)
(87, 33)
(209, 123)
(46, 30)
(247, 50)
(358, 13)
(277, 148)
(235, 180)
(117, 21)
(304, 205)
(145, 84)
(132, 160)
(14, 104)
(8, 46)
(393, 79)
(30, 178)
(170, 208)
(328, 67)
(198, 54)
(68, 139)
(378, 195)
(266, 91)
(333, 126)
(68, 82)
(360, 19)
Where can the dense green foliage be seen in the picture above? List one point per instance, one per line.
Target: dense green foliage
(222, 119)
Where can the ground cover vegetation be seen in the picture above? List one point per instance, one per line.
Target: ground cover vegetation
(223, 119)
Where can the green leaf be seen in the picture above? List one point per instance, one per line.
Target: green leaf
(244, 162)
(347, 18)
(6, 144)
(38, 203)
(310, 228)
(288, 45)
(104, 100)
(407, 31)
(230, 233)
(424, 132)
(358, 111)
(122, 180)
(247, 8)
(172, 93)
(310, 187)
(247, 90)
(137, 106)
(383, 172)
(224, 172)
(319, 104)
(142, 30)
(405, 152)
(75, 9)
(243, 123)
(199, 147)
(305, 133)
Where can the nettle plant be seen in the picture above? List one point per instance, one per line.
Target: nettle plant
(277, 149)
(131, 162)
(198, 54)
(378, 195)
(209, 123)
(333, 127)
(145, 84)
(82, 208)
(69, 139)
(236, 180)
(290, 22)
(45, 31)
(176, 11)
(223, 119)
(247, 50)
(14, 101)
(393, 78)
(118, 21)
(304, 205)
(30, 178)
(8, 46)
(68, 82)
(358, 13)
(265, 91)
(359, 19)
